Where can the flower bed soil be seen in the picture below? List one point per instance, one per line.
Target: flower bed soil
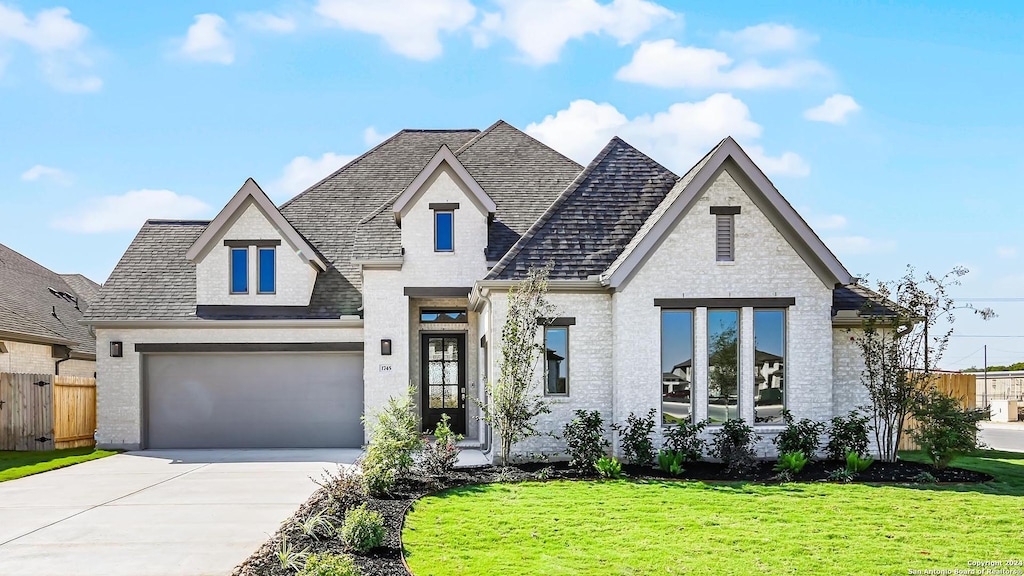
(387, 560)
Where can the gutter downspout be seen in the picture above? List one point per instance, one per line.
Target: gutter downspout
(486, 444)
(56, 365)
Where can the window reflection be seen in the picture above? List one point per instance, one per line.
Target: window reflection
(769, 359)
(676, 365)
(723, 373)
(556, 343)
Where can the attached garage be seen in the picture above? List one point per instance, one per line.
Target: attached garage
(266, 399)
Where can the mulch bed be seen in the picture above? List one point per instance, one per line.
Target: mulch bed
(387, 560)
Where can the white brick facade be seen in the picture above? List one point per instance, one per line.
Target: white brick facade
(294, 283)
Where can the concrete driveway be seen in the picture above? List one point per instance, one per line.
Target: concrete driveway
(155, 512)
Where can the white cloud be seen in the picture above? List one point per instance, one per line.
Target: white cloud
(665, 64)
(40, 172)
(303, 171)
(409, 27)
(827, 221)
(677, 137)
(130, 210)
(833, 110)
(58, 41)
(851, 245)
(1007, 252)
(265, 22)
(206, 41)
(540, 28)
(371, 137)
(769, 37)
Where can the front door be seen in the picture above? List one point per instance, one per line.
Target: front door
(443, 380)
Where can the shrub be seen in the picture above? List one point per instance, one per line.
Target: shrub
(363, 529)
(394, 441)
(318, 526)
(925, 478)
(734, 445)
(803, 436)
(684, 438)
(635, 437)
(608, 467)
(584, 439)
(849, 434)
(792, 462)
(440, 456)
(344, 488)
(329, 565)
(945, 430)
(671, 462)
(855, 464)
(289, 557)
(840, 475)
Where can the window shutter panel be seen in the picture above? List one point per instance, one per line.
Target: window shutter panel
(724, 237)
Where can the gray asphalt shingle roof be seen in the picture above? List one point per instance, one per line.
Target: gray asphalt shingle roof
(33, 304)
(593, 220)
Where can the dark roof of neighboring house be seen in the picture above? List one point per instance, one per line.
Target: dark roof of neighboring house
(861, 299)
(348, 216)
(39, 305)
(592, 221)
(85, 288)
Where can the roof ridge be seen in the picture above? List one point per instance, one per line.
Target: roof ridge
(558, 201)
(480, 135)
(476, 139)
(175, 221)
(440, 130)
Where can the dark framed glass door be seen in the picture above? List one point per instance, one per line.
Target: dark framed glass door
(443, 380)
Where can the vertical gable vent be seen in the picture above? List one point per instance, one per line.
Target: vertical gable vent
(725, 232)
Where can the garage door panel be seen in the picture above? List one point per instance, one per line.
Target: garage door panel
(265, 400)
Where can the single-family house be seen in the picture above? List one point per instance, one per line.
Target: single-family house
(699, 295)
(41, 330)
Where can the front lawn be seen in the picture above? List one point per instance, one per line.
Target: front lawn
(18, 464)
(667, 527)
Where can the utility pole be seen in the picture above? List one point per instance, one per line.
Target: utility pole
(985, 379)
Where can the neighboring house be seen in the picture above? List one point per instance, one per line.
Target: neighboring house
(283, 326)
(40, 319)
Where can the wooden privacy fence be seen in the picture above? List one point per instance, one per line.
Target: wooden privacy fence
(46, 412)
(960, 386)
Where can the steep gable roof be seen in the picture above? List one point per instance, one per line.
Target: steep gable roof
(37, 305)
(594, 218)
(250, 191)
(727, 154)
(443, 157)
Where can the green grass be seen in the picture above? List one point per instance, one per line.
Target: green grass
(19, 464)
(664, 527)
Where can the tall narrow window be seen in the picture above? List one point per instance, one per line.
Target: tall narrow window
(676, 365)
(239, 270)
(266, 266)
(444, 231)
(723, 365)
(769, 363)
(725, 237)
(556, 350)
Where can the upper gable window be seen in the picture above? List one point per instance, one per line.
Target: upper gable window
(444, 231)
(725, 232)
(267, 270)
(240, 270)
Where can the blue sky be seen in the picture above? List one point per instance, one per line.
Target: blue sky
(896, 129)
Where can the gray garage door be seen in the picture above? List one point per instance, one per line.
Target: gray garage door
(254, 400)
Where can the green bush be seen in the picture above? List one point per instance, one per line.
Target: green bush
(329, 565)
(439, 457)
(945, 430)
(608, 467)
(289, 556)
(792, 462)
(855, 464)
(394, 441)
(635, 438)
(584, 439)
(319, 526)
(733, 444)
(849, 434)
(363, 529)
(684, 438)
(803, 436)
(671, 462)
